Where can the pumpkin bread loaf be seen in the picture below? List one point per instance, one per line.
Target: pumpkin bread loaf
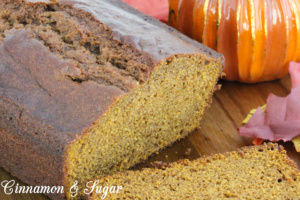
(260, 172)
(90, 87)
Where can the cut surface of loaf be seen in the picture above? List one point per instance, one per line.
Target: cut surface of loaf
(260, 172)
(93, 87)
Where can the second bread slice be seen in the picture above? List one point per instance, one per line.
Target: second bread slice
(261, 172)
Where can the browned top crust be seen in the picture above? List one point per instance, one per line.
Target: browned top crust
(143, 32)
(37, 82)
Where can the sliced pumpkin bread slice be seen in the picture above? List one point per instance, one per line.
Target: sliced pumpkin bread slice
(260, 172)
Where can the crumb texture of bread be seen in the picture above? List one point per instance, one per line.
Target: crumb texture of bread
(165, 109)
(83, 95)
(260, 172)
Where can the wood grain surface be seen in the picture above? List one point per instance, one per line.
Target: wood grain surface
(218, 132)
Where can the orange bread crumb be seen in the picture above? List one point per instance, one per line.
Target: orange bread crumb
(260, 172)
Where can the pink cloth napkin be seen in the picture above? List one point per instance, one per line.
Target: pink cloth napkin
(281, 120)
(158, 9)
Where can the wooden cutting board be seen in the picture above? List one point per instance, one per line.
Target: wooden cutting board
(218, 132)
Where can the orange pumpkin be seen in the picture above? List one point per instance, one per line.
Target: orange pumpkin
(257, 37)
